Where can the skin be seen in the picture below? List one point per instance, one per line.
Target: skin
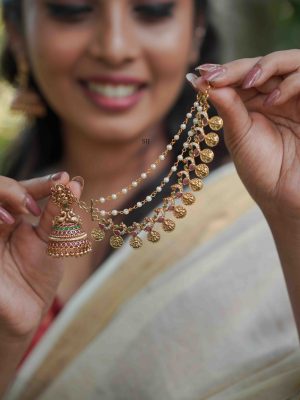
(264, 142)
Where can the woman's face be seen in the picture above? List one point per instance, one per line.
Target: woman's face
(111, 69)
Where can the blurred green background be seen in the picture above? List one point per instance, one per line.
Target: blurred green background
(246, 28)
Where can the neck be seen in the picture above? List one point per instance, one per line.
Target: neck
(106, 167)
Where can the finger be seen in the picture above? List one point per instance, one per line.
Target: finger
(40, 187)
(287, 89)
(229, 74)
(279, 63)
(229, 104)
(51, 210)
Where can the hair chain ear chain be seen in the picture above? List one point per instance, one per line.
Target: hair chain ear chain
(67, 237)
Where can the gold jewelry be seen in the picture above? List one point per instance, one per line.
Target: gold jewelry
(67, 237)
(26, 100)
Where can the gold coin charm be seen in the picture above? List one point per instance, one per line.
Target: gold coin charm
(211, 139)
(116, 241)
(136, 242)
(202, 171)
(168, 225)
(98, 234)
(196, 184)
(179, 212)
(153, 236)
(215, 123)
(206, 155)
(188, 199)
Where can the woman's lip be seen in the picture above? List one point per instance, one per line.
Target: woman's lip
(113, 104)
(115, 79)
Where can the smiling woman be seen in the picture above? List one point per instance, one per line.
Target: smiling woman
(104, 84)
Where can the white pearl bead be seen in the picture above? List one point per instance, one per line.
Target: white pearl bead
(126, 211)
(134, 183)
(102, 200)
(102, 213)
(158, 189)
(153, 166)
(166, 179)
(148, 198)
(174, 168)
(180, 157)
(124, 191)
(183, 126)
(189, 115)
(176, 137)
(144, 175)
(114, 212)
(114, 196)
(196, 104)
(195, 121)
(191, 133)
(185, 145)
(169, 147)
(162, 157)
(139, 204)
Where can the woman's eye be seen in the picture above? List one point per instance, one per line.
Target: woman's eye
(155, 11)
(68, 12)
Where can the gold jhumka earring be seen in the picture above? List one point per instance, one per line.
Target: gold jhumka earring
(67, 237)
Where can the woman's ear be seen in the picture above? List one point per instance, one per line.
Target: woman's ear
(15, 40)
(199, 33)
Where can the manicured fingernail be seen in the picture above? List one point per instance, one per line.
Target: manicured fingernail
(252, 77)
(214, 74)
(272, 97)
(80, 180)
(207, 67)
(57, 176)
(32, 205)
(192, 79)
(6, 217)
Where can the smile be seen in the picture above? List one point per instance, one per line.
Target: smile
(112, 91)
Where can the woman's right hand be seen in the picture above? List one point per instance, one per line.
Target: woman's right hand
(28, 276)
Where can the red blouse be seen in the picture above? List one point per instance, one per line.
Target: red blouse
(53, 311)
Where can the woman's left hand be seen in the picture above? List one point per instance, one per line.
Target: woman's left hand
(259, 101)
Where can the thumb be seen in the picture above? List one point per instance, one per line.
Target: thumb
(51, 210)
(231, 109)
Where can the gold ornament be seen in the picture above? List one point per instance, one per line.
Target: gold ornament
(168, 225)
(136, 242)
(206, 155)
(98, 234)
(67, 237)
(215, 123)
(188, 199)
(153, 236)
(179, 212)
(211, 139)
(202, 171)
(196, 184)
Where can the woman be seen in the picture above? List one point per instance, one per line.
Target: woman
(108, 84)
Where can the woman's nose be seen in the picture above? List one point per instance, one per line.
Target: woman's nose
(115, 43)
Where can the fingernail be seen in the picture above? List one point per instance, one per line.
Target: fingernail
(192, 79)
(57, 176)
(252, 77)
(272, 97)
(214, 74)
(80, 180)
(32, 205)
(207, 67)
(6, 217)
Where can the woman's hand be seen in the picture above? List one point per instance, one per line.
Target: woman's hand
(28, 277)
(259, 101)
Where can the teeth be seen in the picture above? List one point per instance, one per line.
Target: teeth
(112, 90)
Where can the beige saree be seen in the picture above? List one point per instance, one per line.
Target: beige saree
(203, 314)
